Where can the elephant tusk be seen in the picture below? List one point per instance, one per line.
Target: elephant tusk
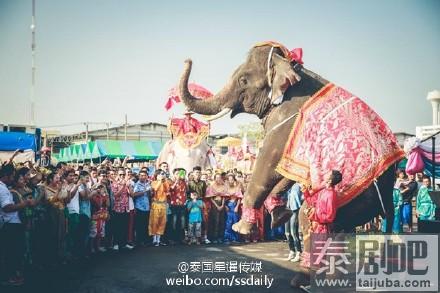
(290, 81)
(219, 114)
(293, 78)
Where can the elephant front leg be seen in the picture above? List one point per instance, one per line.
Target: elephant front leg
(276, 205)
(256, 195)
(265, 180)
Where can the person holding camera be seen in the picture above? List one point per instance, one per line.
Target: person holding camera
(100, 203)
(80, 214)
(141, 193)
(121, 192)
(158, 213)
(177, 206)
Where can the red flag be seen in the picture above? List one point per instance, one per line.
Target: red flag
(196, 90)
(176, 99)
(169, 104)
(171, 101)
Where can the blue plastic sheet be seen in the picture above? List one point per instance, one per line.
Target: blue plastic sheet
(11, 141)
(428, 168)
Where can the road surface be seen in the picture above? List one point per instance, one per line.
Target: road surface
(153, 269)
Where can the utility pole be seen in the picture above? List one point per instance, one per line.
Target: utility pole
(107, 124)
(125, 128)
(87, 131)
(33, 47)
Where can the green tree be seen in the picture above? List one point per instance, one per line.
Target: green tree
(254, 131)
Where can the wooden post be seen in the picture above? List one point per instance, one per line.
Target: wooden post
(433, 162)
(125, 128)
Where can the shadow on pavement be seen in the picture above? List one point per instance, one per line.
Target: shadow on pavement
(147, 269)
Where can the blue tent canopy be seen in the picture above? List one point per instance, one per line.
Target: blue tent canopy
(11, 141)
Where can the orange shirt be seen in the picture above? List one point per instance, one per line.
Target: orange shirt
(161, 190)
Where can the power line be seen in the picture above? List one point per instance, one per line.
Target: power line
(62, 125)
(34, 69)
(75, 124)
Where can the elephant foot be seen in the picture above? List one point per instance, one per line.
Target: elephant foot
(242, 227)
(280, 215)
(300, 280)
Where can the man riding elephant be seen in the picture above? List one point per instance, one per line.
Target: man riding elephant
(188, 147)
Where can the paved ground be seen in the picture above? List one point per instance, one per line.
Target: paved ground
(146, 269)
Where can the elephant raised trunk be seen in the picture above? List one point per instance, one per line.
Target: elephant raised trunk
(210, 106)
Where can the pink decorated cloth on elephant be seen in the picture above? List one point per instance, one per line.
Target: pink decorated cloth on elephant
(336, 130)
(188, 131)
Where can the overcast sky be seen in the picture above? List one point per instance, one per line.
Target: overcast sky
(98, 60)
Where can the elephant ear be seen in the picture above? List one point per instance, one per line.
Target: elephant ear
(281, 76)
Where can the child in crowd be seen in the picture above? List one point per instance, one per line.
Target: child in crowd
(401, 179)
(194, 207)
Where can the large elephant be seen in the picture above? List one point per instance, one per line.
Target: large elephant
(249, 90)
(255, 88)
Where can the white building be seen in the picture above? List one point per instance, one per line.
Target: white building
(423, 132)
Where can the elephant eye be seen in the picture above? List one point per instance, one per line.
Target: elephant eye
(243, 81)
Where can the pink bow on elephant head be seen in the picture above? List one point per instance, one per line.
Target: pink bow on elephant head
(296, 55)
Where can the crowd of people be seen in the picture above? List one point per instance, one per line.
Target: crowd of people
(410, 194)
(66, 213)
(407, 188)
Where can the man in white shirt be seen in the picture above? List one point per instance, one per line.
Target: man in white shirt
(12, 232)
(73, 241)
